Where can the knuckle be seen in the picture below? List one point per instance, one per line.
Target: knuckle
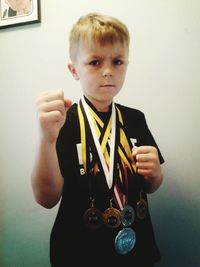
(57, 115)
(61, 104)
(154, 149)
(60, 94)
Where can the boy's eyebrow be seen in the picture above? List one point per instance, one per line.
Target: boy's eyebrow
(100, 57)
(94, 56)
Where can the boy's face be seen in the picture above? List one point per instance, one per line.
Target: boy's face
(101, 71)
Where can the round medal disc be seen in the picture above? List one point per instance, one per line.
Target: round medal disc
(93, 218)
(112, 217)
(125, 240)
(127, 215)
(141, 209)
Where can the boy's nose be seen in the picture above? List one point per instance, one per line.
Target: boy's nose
(107, 72)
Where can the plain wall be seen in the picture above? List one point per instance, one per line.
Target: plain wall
(163, 81)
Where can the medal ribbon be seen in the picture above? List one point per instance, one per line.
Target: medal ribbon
(106, 135)
(108, 171)
(83, 137)
(125, 145)
(124, 151)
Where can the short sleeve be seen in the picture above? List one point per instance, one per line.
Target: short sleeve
(148, 139)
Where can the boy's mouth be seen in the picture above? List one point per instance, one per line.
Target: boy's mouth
(107, 85)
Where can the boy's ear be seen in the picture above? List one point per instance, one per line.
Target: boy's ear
(72, 69)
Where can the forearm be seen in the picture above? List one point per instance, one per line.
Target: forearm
(47, 181)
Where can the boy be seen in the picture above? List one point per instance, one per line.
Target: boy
(98, 157)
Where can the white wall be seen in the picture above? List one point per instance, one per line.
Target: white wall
(163, 81)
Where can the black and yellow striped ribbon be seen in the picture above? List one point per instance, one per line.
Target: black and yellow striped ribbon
(123, 148)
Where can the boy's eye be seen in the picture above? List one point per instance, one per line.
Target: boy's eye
(94, 62)
(117, 62)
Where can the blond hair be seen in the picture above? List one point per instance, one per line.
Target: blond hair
(95, 27)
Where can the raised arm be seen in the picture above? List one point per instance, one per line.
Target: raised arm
(47, 180)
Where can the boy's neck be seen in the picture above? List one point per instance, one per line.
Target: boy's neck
(100, 107)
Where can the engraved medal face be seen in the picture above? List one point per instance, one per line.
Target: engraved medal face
(127, 215)
(141, 209)
(125, 240)
(93, 218)
(112, 217)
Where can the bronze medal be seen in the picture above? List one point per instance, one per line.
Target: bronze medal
(112, 217)
(93, 218)
(141, 209)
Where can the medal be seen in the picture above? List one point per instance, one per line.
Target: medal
(112, 217)
(127, 215)
(93, 217)
(141, 208)
(125, 240)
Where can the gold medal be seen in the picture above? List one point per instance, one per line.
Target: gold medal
(112, 217)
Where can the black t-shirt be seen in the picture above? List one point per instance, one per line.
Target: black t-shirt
(71, 240)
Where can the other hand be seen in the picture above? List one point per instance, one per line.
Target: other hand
(148, 165)
(52, 109)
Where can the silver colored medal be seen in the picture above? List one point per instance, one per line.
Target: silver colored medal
(127, 215)
(125, 240)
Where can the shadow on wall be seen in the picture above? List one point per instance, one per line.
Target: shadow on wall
(176, 221)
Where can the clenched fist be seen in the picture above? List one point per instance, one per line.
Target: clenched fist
(148, 165)
(52, 109)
